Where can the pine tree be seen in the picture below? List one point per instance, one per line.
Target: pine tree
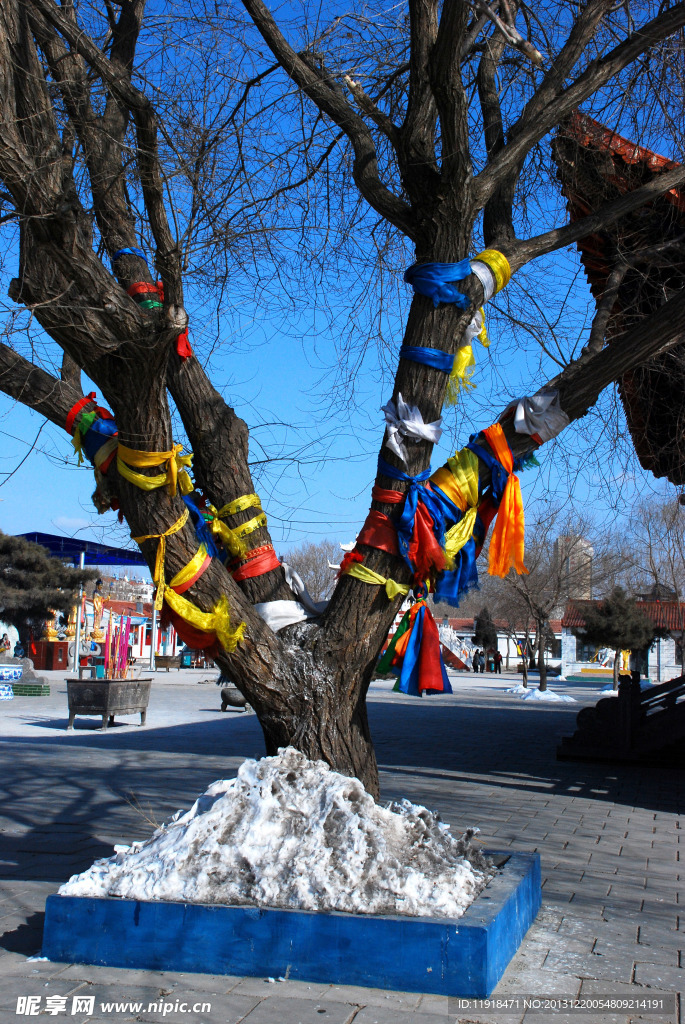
(617, 623)
(33, 585)
(485, 633)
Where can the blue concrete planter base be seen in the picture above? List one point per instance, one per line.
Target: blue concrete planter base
(464, 957)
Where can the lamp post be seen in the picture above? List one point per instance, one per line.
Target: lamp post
(153, 644)
(77, 637)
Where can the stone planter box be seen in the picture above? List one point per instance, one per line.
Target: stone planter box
(107, 698)
(464, 957)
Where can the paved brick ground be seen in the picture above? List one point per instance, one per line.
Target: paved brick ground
(609, 838)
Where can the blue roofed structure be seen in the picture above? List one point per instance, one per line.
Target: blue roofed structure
(69, 549)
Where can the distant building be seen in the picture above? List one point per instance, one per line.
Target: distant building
(658, 592)
(661, 662)
(574, 555)
(457, 633)
(125, 589)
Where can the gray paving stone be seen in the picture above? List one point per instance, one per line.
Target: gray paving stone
(305, 1011)
(263, 989)
(536, 1017)
(201, 1008)
(589, 965)
(524, 980)
(616, 949)
(160, 980)
(14, 988)
(595, 988)
(434, 1004)
(669, 979)
(654, 935)
(355, 994)
(595, 826)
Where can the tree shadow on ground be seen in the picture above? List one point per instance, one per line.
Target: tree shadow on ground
(27, 938)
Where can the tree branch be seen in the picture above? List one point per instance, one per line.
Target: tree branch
(523, 252)
(417, 159)
(329, 98)
(595, 342)
(507, 29)
(498, 215)
(581, 383)
(151, 179)
(102, 135)
(448, 89)
(219, 440)
(365, 103)
(35, 388)
(526, 133)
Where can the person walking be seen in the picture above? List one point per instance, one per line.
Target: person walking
(474, 660)
(498, 663)
(481, 661)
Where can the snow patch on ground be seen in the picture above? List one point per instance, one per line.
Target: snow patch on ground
(532, 693)
(292, 833)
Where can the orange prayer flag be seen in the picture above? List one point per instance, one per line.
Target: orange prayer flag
(507, 541)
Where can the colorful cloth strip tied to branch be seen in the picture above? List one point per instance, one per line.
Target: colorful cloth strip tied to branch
(95, 434)
(445, 518)
(437, 282)
(215, 625)
(175, 474)
(152, 297)
(414, 654)
(440, 532)
(504, 501)
(262, 559)
(95, 431)
(460, 366)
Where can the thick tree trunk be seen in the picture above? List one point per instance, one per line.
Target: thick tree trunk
(322, 718)
(617, 662)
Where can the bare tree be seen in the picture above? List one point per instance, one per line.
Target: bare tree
(565, 561)
(88, 168)
(316, 564)
(656, 554)
(513, 614)
(656, 546)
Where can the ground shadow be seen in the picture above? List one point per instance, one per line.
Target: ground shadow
(27, 938)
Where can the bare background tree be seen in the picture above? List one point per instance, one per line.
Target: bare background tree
(566, 560)
(437, 115)
(312, 562)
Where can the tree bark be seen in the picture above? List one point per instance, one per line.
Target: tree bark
(542, 667)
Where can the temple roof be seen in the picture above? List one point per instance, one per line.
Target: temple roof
(596, 165)
(665, 614)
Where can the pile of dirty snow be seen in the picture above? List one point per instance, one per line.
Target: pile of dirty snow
(533, 693)
(292, 833)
